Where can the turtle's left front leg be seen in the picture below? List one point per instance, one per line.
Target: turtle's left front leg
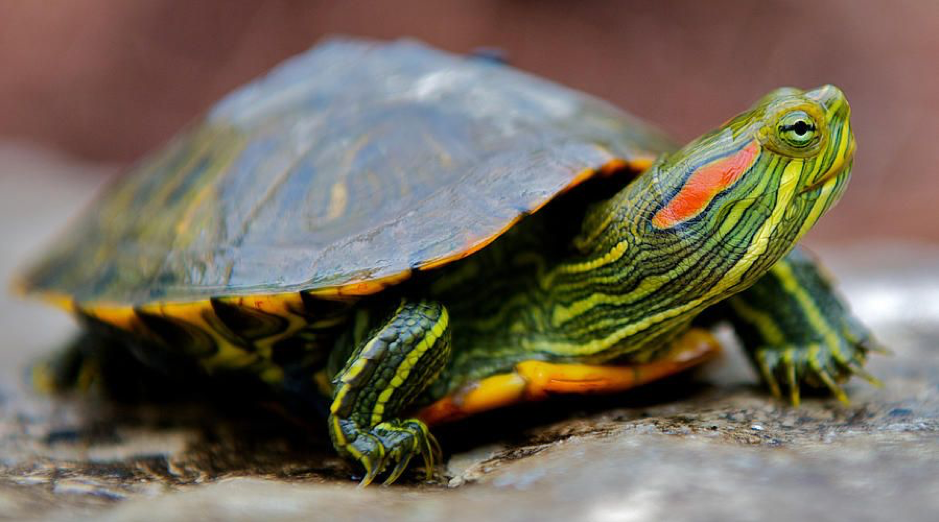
(797, 331)
(388, 368)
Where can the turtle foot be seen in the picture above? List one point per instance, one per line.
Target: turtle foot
(392, 444)
(821, 366)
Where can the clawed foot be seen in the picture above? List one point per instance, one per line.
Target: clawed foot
(822, 365)
(391, 443)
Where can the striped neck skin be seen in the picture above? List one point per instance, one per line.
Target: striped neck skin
(699, 226)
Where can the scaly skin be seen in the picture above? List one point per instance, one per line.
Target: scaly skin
(381, 378)
(701, 226)
(635, 279)
(797, 331)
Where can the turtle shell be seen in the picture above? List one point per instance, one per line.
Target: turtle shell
(340, 172)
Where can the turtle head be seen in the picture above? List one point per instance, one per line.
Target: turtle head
(809, 132)
(760, 181)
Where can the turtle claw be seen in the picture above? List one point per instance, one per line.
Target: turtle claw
(394, 443)
(830, 383)
(815, 366)
(370, 474)
(434, 454)
(370, 453)
(791, 379)
(398, 470)
(768, 374)
(864, 374)
(872, 345)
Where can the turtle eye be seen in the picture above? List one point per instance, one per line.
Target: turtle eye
(797, 129)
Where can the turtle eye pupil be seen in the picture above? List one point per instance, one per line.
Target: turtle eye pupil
(800, 127)
(797, 129)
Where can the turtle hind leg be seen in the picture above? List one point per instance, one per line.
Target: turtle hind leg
(72, 368)
(99, 364)
(798, 332)
(383, 375)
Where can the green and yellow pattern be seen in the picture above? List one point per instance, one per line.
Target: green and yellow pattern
(418, 256)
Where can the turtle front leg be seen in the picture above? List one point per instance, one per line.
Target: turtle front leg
(798, 331)
(380, 380)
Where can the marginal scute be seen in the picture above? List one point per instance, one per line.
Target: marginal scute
(246, 322)
(262, 332)
(175, 334)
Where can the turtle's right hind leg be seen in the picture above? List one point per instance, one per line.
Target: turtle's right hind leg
(98, 364)
(74, 368)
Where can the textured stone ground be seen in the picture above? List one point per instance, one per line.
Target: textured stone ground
(710, 446)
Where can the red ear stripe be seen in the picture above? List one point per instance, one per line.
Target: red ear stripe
(705, 183)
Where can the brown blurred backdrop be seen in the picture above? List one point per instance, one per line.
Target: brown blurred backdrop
(111, 79)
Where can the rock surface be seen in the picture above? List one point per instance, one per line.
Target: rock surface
(710, 446)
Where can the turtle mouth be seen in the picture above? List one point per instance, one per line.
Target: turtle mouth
(829, 178)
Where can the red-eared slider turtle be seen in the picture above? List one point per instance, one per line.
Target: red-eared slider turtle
(362, 222)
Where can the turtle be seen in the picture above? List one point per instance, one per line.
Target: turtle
(403, 237)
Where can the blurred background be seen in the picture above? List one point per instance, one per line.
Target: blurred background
(104, 81)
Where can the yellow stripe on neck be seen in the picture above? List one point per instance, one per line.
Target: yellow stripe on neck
(758, 246)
